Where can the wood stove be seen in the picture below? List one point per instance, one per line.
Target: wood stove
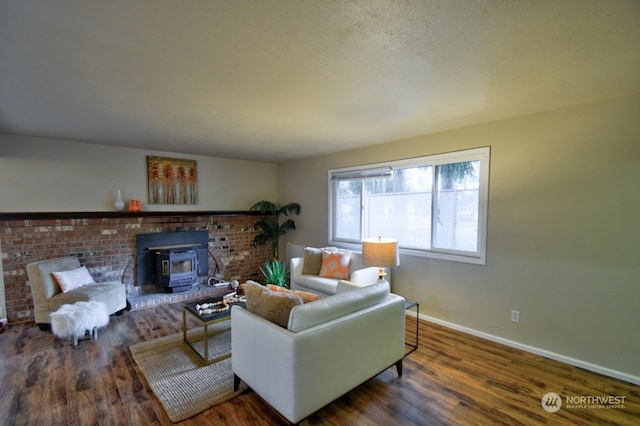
(173, 261)
(176, 266)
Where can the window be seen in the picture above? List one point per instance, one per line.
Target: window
(435, 206)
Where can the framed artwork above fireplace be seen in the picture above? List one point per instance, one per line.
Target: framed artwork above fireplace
(172, 180)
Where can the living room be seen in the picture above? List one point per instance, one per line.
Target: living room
(562, 209)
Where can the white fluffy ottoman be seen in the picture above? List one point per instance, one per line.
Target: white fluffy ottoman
(73, 321)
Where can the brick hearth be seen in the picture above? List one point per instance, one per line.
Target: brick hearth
(105, 243)
(142, 300)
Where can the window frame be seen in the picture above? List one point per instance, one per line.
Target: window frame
(482, 154)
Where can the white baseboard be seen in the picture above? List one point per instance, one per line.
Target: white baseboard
(534, 350)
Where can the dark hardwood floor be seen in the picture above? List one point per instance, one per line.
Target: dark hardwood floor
(452, 379)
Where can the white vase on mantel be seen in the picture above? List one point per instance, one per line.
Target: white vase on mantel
(119, 203)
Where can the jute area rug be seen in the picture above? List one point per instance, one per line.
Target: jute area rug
(180, 380)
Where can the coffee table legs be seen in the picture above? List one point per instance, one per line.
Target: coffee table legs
(205, 337)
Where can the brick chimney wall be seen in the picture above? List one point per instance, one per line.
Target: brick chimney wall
(106, 245)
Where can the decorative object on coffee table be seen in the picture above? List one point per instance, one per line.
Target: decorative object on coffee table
(206, 313)
(240, 289)
(234, 285)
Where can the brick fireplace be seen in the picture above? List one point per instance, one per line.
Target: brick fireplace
(106, 244)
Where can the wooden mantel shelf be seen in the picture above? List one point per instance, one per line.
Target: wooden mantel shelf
(116, 214)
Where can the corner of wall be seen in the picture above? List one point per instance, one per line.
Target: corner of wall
(3, 303)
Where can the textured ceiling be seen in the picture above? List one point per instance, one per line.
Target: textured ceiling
(284, 79)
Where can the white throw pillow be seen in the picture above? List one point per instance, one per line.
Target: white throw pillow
(72, 279)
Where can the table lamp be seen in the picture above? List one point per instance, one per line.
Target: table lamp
(380, 252)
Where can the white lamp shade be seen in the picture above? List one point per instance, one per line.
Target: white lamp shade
(381, 252)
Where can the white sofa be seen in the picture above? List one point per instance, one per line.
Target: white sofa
(358, 273)
(329, 347)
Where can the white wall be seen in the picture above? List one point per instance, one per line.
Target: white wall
(563, 231)
(52, 175)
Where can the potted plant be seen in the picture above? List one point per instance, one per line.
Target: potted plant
(270, 224)
(275, 272)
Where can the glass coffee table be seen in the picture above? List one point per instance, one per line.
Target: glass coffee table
(204, 320)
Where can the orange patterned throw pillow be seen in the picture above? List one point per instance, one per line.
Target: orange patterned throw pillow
(335, 265)
(306, 296)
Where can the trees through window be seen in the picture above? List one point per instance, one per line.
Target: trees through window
(435, 206)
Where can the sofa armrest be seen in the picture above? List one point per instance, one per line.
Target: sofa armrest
(295, 267)
(365, 276)
(263, 354)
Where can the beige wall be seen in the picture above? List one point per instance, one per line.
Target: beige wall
(52, 175)
(563, 231)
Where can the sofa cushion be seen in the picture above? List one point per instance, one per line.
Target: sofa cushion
(312, 261)
(335, 265)
(305, 295)
(73, 278)
(330, 308)
(112, 294)
(272, 306)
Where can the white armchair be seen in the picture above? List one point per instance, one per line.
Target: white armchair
(47, 296)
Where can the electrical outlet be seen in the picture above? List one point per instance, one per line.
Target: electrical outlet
(515, 316)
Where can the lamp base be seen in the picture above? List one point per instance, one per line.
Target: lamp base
(381, 275)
